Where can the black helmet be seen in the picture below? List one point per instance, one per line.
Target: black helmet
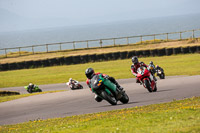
(151, 62)
(134, 59)
(89, 73)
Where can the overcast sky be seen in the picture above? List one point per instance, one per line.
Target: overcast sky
(53, 13)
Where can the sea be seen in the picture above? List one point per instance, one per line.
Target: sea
(100, 31)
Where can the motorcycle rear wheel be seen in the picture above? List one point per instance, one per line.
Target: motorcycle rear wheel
(148, 86)
(109, 98)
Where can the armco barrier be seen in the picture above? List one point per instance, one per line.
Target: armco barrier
(98, 57)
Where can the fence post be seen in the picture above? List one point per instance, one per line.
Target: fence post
(100, 42)
(74, 45)
(33, 49)
(87, 45)
(180, 36)
(47, 48)
(60, 46)
(127, 41)
(5, 52)
(114, 41)
(19, 52)
(193, 34)
(141, 39)
(167, 36)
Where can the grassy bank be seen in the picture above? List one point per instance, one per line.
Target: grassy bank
(176, 116)
(188, 64)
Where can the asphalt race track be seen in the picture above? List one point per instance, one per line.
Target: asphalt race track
(75, 102)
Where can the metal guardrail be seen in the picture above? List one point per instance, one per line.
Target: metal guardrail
(99, 43)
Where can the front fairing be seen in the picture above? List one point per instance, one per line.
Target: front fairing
(142, 72)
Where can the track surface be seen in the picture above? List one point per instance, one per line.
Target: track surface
(75, 102)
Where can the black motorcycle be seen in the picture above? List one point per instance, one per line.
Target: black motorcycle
(160, 72)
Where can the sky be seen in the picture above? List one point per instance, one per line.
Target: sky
(33, 14)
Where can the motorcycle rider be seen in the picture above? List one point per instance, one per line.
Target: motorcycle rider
(90, 73)
(153, 71)
(73, 81)
(136, 64)
(31, 87)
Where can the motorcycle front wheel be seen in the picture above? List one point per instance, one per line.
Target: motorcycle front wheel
(109, 98)
(148, 86)
(124, 98)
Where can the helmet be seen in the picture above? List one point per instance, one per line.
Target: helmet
(135, 59)
(70, 79)
(151, 62)
(89, 73)
(31, 85)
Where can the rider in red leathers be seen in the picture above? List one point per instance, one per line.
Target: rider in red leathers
(136, 64)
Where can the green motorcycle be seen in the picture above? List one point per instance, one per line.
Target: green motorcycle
(107, 90)
(34, 89)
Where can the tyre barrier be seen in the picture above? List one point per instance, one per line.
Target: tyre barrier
(116, 55)
(5, 93)
(177, 50)
(193, 49)
(161, 52)
(130, 54)
(169, 51)
(100, 57)
(153, 52)
(139, 53)
(108, 56)
(97, 57)
(76, 59)
(146, 53)
(68, 60)
(123, 55)
(185, 50)
(84, 58)
(92, 58)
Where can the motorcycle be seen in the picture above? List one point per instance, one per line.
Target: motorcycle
(146, 79)
(107, 90)
(35, 89)
(74, 85)
(160, 73)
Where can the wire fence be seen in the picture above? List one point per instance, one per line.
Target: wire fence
(62, 46)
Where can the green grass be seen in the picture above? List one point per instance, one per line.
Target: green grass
(12, 97)
(176, 116)
(188, 64)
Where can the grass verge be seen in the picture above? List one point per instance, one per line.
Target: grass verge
(175, 116)
(187, 64)
(13, 97)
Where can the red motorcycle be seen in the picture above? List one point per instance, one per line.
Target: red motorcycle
(145, 77)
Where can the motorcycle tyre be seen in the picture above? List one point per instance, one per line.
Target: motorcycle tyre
(146, 82)
(81, 87)
(155, 89)
(124, 99)
(162, 76)
(39, 90)
(110, 99)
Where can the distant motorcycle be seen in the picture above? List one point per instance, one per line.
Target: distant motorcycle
(160, 72)
(34, 89)
(145, 77)
(73, 84)
(107, 90)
